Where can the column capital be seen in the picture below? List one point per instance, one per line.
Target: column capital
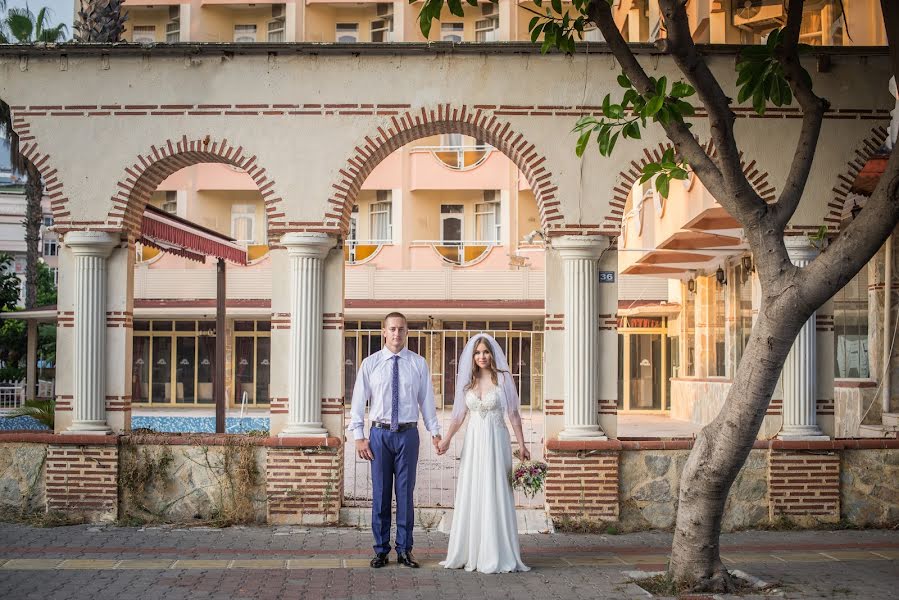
(314, 245)
(91, 243)
(580, 246)
(800, 249)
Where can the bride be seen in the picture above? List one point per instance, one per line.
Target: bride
(484, 534)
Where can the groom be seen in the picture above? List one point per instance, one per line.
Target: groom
(397, 384)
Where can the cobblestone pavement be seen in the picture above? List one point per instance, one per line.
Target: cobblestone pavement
(105, 562)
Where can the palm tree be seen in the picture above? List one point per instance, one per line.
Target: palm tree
(100, 21)
(23, 26)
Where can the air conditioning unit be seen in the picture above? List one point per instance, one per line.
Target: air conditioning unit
(593, 34)
(758, 14)
(278, 11)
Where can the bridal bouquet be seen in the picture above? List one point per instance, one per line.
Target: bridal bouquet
(529, 477)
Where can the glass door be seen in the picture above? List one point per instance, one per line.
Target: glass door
(646, 372)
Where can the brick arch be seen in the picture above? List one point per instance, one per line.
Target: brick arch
(53, 186)
(151, 168)
(410, 125)
(633, 172)
(864, 151)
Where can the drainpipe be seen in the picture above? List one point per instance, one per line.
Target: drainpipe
(886, 391)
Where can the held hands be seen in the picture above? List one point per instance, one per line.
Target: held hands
(437, 440)
(524, 452)
(442, 446)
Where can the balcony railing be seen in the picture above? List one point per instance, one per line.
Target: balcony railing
(459, 253)
(359, 251)
(458, 158)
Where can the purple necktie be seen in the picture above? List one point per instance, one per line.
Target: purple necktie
(395, 405)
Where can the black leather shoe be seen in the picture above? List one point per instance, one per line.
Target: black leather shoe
(380, 560)
(406, 559)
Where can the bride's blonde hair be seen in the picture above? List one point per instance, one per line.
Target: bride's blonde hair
(476, 370)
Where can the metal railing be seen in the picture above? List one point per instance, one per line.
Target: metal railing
(355, 251)
(437, 475)
(458, 158)
(461, 252)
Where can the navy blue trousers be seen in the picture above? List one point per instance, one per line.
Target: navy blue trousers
(393, 469)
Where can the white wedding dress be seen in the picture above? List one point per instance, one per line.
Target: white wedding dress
(484, 534)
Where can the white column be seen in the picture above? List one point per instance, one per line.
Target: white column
(800, 372)
(579, 256)
(90, 249)
(306, 252)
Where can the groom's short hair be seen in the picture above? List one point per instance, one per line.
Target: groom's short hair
(396, 315)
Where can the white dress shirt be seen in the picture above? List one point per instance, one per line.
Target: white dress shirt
(374, 385)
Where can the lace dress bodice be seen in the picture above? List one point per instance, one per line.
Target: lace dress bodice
(489, 407)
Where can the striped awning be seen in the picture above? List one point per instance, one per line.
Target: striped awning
(173, 234)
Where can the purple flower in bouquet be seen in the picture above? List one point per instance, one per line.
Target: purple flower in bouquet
(529, 477)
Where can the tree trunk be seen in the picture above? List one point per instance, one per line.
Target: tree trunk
(721, 449)
(34, 191)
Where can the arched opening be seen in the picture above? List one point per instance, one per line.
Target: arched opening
(447, 229)
(174, 351)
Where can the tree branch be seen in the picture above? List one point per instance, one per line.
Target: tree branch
(721, 118)
(855, 246)
(813, 109)
(687, 146)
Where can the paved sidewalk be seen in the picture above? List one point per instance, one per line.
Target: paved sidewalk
(100, 563)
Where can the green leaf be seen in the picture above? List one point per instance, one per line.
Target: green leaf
(557, 6)
(654, 104)
(652, 168)
(533, 23)
(661, 85)
(758, 99)
(685, 109)
(455, 8)
(603, 140)
(582, 142)
(682, 90)
(678, 173)
(606, 104)
(536, 31)
(623, 81)
(662, 182)
(663, 116)
(616, 111)
(612, 142)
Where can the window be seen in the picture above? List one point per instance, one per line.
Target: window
(252, 362)
(486, 29)
(717, 362)
(243, 223)
(347, 33)
(451, 222)
(451, 140)
(487, 218)
(173, 26)
(382, 217)
(689, 331)
(850, 320)
(741, 280)
(244, 34)
(55, 272)
(170, 205)
(382, 27)
(48, 221)
(276, 30)
(51, 247)
(174, 362)
(143, 34)
(451, 32)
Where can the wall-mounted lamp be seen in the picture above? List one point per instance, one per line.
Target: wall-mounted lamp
(720, 277)
(691, 285)
(855, 209)
(747, 263)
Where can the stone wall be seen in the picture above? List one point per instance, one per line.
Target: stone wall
(22, 489)
(869, 487)
(223, 483)
(650, 481)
